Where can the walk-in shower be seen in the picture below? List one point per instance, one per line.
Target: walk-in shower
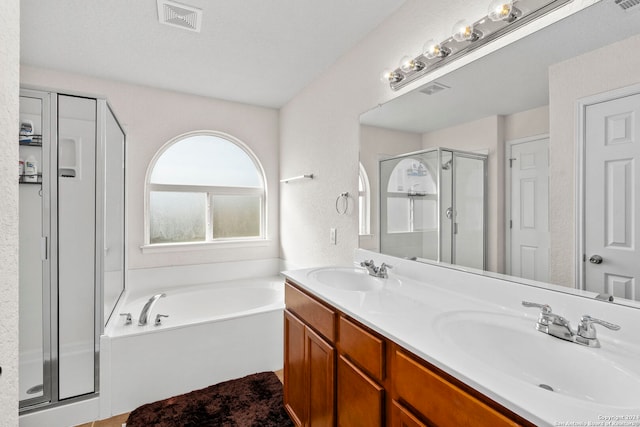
(71, 240)
(433, 206)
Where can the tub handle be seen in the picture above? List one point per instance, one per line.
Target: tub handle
(127, 320)
(159, 317)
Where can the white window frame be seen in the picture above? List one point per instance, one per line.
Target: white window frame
(210, 191)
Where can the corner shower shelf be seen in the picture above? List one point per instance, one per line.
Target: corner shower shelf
(22, 181)
(30, 140)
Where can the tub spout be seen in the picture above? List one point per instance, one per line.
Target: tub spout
(146, 310)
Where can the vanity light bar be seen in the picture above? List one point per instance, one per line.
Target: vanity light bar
(484, 31)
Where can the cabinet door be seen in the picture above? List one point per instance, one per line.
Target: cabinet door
(321, 359)
(360, 399)
(295, 396)
(403, 418)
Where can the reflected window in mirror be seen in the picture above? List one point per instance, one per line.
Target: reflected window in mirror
(364, 202)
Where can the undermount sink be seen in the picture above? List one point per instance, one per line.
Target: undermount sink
(349, 279)
(511, 345)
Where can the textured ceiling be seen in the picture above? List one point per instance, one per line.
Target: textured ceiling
(259, 52)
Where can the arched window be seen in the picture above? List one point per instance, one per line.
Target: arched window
(364, 202)
(204, 187)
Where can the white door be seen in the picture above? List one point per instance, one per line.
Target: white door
(611, 194)
(529, 226)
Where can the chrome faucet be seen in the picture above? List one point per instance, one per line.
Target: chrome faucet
(586, 334)
(559, 327)
(146, 310)
(374, 271)
(550, 323)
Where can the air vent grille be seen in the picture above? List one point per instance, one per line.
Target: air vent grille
(627, 4)
(179, 15)
(434, 88)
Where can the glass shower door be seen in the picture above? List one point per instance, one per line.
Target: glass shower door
(469, 209)
(34, 241)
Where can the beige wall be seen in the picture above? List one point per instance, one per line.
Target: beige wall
(376, 144)
(151, 117)
(526, 123)
(9, 92)
(569, 81)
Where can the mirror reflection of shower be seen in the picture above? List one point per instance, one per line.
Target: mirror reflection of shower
(432, 206)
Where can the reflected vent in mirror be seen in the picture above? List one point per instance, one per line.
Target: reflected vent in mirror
(628, 5)
(179, 15)
(433, 88)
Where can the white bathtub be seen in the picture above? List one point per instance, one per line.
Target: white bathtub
(214, 332)
(189, 305)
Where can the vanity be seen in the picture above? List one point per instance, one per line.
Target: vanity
(430, 345)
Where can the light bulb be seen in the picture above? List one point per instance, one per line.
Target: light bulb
(406, 63)
(390, 76)
(433, 49)
(500, 10)
(409, 64)
(463, 31)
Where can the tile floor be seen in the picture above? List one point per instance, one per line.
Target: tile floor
(116, 421)
(119, 420)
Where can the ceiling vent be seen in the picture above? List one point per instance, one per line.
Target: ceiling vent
(434, 88)
(628, 5)
(179, 15)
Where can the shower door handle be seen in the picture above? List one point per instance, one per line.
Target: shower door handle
(449, 212)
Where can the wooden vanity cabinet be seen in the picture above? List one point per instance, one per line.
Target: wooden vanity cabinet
(309, 360)
(338, 372)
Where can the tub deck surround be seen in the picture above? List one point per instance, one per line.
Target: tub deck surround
(416, 305)
(186, 305)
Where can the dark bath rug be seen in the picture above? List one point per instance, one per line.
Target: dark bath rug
(252, 401)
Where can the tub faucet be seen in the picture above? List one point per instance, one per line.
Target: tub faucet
(146, 310)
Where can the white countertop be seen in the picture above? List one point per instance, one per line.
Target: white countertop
(413, 306)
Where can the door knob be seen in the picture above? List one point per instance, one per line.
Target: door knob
(595, 259)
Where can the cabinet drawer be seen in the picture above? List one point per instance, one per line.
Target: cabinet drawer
(439, 401)
(363, 348)
(317, 315)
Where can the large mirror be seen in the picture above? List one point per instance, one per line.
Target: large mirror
(560, 208)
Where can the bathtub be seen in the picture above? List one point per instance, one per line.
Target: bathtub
(214, 332)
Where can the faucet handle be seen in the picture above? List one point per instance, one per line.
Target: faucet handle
(367, 263)
(546, 309)
(586, 329)
(127, 320)
(385, 266)
(159, 317)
